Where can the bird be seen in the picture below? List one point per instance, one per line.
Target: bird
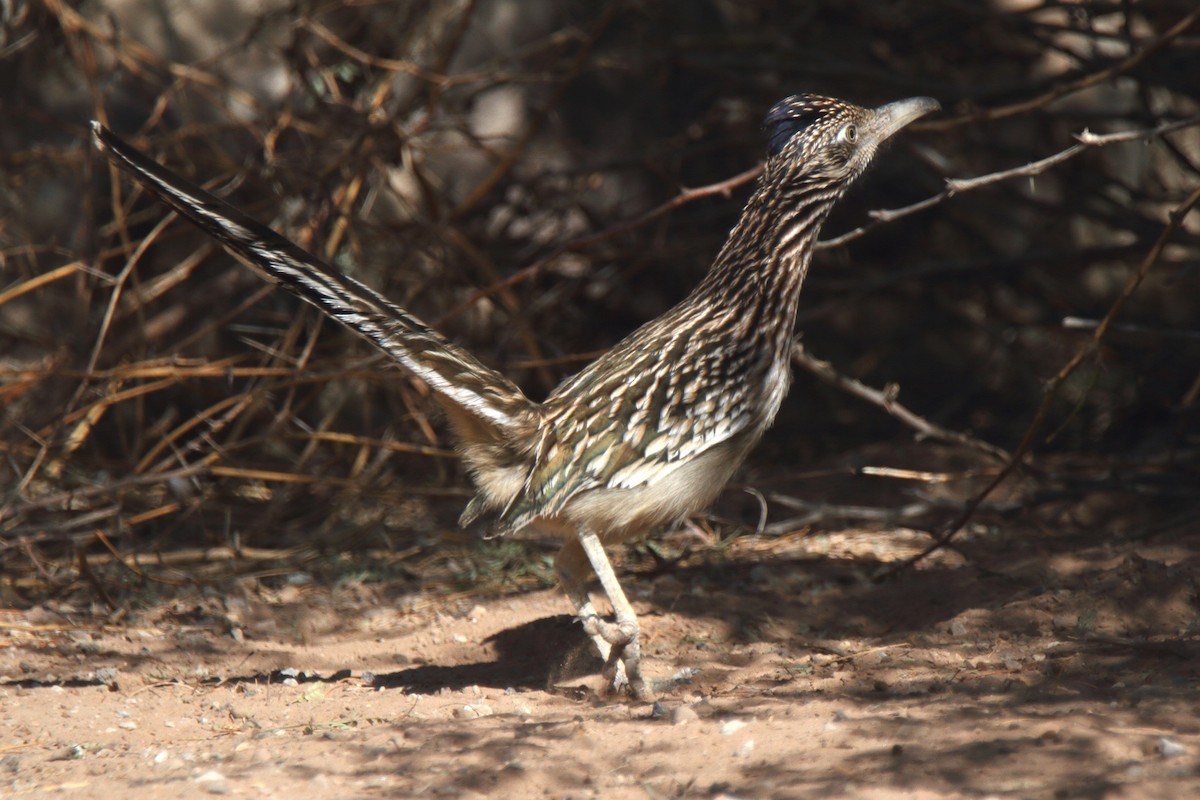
(652, 430)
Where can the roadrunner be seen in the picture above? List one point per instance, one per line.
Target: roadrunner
(649, 432)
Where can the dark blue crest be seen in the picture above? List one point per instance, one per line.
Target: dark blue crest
(790, 116)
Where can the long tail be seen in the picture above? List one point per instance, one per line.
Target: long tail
(448, 369)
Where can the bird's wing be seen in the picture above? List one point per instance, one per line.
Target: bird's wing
(641, 411)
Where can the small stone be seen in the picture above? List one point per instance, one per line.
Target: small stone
(211, 776)
(161, 756)
(958, 629)
(128, 725)
(682, 715)
(473, 711)
(682, 676)
(1048, 737)
(69, 753)
(1169, 748)
(732, 726)
(745, 748)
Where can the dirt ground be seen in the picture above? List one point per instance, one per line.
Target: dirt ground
(1054, 661)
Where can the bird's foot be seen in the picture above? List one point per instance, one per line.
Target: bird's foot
(619, 646)
(615, 634)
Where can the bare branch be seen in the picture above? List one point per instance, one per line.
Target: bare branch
(1175, 221)
(886, 399)
(960, 185)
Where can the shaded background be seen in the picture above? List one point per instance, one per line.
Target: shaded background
(496, 166)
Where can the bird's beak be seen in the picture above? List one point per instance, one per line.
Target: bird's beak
(894, 116)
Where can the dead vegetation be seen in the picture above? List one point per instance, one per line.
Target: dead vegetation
(1009, 307)
(980, 500)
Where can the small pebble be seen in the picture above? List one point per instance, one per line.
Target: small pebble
(745, 748)
(1169, 748)
(69, 753)
(682, 676)
(1048, 737)
(682, 715)
(732, 726)
(473, 711)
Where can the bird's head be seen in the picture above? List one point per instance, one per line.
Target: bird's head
(814, 138)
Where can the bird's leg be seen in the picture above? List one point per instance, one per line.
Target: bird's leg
(571, 567)
(623, 635)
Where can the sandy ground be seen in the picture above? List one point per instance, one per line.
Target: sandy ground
(1030, 664)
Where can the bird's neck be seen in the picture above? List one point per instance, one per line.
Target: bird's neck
(759, 272)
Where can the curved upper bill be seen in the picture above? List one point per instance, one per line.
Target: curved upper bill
(892, 117)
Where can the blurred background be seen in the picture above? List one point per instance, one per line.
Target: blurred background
(521, 174)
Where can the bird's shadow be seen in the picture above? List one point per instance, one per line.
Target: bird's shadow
(538, 654)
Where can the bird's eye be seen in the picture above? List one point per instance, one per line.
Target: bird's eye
(848, 134)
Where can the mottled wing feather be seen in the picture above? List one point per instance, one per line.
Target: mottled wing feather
(619, 423)
(448, 369)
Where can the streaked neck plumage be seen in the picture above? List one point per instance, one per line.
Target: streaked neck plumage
(761, 269)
